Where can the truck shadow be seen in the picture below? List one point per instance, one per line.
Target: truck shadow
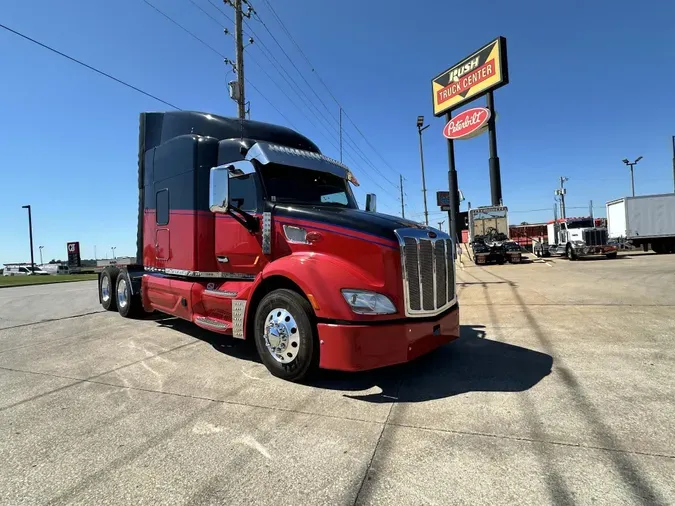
(470, 364)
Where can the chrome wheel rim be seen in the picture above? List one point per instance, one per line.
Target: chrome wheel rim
(122, 298)
(282, 336)
(105, 289)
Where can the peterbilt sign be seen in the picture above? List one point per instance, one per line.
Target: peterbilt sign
(483, 71)
(467, 124)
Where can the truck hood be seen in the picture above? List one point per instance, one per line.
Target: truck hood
(377, 224)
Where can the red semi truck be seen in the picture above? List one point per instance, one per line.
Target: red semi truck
(246, 229)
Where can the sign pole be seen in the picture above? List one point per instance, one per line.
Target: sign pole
(453, 197)
(495, 171)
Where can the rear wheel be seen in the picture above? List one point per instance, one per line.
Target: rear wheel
(611, 255)
(658, 247)
(570, 252)
(129, 305)
(286, 336)
(108, 288)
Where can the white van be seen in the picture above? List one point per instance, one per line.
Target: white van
(23, 270)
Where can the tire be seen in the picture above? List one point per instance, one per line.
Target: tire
(107, 288)
(611, 255)
(571, 255)
(128, 305)
(291, 315)
(658, 248)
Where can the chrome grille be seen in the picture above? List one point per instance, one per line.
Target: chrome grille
(595, 236)
(428, 272)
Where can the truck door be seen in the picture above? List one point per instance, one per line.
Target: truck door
(238, 251)
(162, 237)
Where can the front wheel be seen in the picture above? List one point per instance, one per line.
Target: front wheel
(571, 255)
(285, 335)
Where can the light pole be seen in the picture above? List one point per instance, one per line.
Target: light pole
(561, 193)
(30, 233)
(113, 248)
(631, 164)
(41, 262)
(420, 129)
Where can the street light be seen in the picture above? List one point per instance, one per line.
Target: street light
(420, 129)
(631, 164)
(113, 248)
(41, 262)
(30, 233)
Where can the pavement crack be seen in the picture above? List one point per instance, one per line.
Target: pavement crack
(534, 440)
(49, 320)
(377, 445)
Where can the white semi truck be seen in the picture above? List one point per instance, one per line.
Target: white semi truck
(575, 238)
(647, 220)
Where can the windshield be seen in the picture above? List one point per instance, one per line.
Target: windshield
(303, 186)
(580, 224)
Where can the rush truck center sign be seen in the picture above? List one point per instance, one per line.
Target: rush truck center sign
(483, 71)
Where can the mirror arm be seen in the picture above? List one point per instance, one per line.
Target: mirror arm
(248, 221)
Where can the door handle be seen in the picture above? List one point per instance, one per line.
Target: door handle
(222, 260)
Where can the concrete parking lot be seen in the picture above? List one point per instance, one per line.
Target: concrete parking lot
(561, 390)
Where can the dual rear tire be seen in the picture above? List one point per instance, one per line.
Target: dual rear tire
(116, 293)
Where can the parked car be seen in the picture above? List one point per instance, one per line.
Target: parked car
(23, 270)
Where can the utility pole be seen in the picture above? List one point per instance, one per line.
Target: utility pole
(401, 187)
(30, 233)
(440, 225)
(239, 52)
(420, 129)
(560, 192)
(113, 248)
(41, 262)
(590, 211)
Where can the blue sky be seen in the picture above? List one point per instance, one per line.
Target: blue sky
(591, 83)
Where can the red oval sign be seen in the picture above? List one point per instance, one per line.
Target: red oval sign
(467, 123)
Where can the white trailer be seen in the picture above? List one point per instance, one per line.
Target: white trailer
(644, 220)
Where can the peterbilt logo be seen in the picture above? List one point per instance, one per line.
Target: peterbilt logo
(467, 124)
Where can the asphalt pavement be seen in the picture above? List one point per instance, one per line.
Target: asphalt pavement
(560, 391)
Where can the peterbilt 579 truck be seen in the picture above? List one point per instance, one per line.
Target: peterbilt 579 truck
(246, 229)
(489, 236)
(575, 238)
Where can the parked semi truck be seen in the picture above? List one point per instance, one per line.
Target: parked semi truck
(647, 220)
(575, 238)
(489, 236)
(247, 230)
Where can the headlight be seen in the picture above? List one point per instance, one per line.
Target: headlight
(363, 302)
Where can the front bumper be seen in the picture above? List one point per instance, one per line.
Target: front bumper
(354, 347)
(594, 250)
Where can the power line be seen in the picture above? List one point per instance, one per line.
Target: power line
(354, 145)
(105, 74)
(207, 45)
(298, 90)
(288, 34)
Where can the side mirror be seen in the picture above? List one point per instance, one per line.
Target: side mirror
(219, 185)
(371, 202)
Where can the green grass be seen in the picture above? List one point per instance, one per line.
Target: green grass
(43, 280)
